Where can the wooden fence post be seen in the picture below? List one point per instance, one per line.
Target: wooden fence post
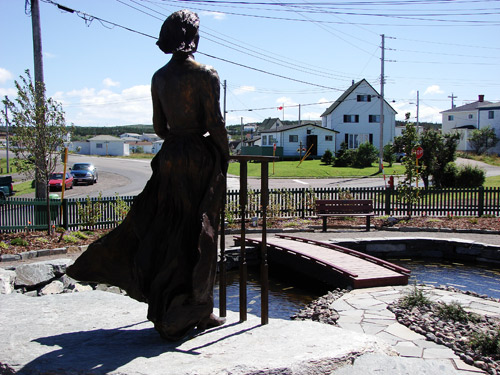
(388, 198)
(480, 202)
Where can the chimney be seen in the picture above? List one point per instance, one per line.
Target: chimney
(481, 98)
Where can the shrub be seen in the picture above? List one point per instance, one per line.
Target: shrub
(19, 242)
(344, 156)
(389, 156)
(454, 311)
(487, 343)
(327, 157)
(414, 297)
(470, 176)
(3, 245)
(80, 235)
(70, 239)
(365, 155)
(450, 175)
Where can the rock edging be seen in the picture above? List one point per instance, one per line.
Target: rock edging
(44, 278)
(40, 253)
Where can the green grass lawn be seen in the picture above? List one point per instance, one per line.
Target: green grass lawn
(493, 181)
(313, 169)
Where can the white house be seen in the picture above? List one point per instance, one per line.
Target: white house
(149, 137)
(108, 145)
(355, 115)
(130, 135)
(471, 116)
(294, 140)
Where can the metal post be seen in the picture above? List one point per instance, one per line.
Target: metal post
(264, 173)
(222, 261)
(243, 261)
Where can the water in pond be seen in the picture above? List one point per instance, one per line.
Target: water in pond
(475, 278)
(288, 295)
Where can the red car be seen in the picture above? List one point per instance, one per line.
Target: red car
(56, 180)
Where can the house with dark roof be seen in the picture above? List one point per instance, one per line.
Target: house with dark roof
(355, 115)
(293, 141)
(471, 116)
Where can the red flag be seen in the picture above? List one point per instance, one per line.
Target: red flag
(280, 108)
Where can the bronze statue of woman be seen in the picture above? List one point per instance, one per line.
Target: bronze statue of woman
(165, 251)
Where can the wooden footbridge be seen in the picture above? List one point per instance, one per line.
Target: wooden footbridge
(331, 263)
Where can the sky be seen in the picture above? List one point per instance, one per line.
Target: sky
(300, 55)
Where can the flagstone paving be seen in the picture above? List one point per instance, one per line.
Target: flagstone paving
(365, 310)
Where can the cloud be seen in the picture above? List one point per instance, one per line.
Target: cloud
(10, 92)
(215, 15)
(91, 107)
(5, 75)
(425, 113)
(243, 90)
(108, 82)
(434, 89)
(287, 102)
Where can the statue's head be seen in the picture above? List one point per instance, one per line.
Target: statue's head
(179, 32)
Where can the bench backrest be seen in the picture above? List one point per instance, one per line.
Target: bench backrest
(344, 206)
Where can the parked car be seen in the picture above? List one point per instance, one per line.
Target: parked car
(6, 187)
(56, 181)
(400, 156)
(85, 173)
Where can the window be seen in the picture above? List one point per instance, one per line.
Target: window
(98, 145)
(491, 115)
(329, 138)
(293, 138)
(264, 140)
(451, 117)
(309, 131)
(374, 118)
(364, 98)
(354, 140)
(471, 116)
(351, 118)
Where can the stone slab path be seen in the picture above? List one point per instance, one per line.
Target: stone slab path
(365, 311)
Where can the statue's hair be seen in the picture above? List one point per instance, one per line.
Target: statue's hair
(179, 32)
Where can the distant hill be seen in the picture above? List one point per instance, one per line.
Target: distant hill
(85, 132)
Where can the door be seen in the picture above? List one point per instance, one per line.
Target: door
(312, 140)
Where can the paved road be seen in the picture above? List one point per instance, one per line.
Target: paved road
(129, 176)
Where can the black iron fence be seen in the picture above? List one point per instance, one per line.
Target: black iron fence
(17, 214)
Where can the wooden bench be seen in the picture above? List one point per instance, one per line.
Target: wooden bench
(344, 207)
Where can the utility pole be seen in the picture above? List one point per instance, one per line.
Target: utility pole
(39, 84)
(418, 105)
(452, 100)
(299, 115)
(225, 85)
(241, 147)
(382, 79)
(7, 130)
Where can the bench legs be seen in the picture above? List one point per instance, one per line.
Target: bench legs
(324, 223)
(368, 223)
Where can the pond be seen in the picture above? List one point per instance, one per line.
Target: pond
(288, 294)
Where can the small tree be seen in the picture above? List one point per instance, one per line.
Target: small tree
(439, 150)
(38, 127)
(389, 156)
(483, 139)
(407, 143)
(327, 157)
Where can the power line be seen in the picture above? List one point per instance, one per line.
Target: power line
(89, 18)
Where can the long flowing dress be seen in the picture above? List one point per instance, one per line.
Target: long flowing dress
(165, 251)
